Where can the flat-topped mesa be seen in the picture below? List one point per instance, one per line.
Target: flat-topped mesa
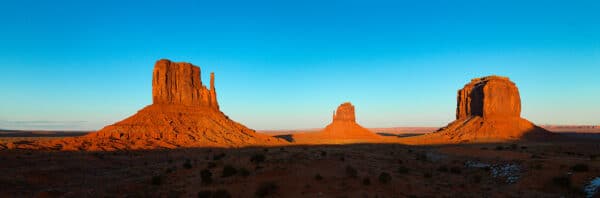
(489, 97)
(180, 84)
(344, 113)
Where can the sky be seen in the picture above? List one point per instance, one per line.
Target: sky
(81, 65)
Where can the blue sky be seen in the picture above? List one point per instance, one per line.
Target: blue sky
(289, 64)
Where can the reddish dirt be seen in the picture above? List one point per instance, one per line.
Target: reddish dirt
(543, 170)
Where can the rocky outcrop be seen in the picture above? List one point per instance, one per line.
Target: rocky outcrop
(180, 84)
(344, 113)
(488, 110)
(491, 96)
(184, 113)
(343, 129)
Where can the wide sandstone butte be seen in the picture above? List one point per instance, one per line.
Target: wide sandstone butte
(488, 110)
(343, 129)
(184, 113)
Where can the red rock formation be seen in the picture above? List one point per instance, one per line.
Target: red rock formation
(488, 110)
(491, 96)
(184, 113)
(343, 129)
(180, 84)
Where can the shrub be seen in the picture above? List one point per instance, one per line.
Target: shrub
(351, 172)
(427, 175)
(258, 158)
(580, 168)
(205, 194)
(562, 181)
(206, 176)
(442, 169)
(157, 180)
(385, 178)
(228, 171)
(403, 170)
(323, 153)
(514, 146)
(477, 179)
(187, 164)
(244, 172)
(499, 148)
(266, 189)
(455, 170)
(221, 193)
(366, 181)
(318, 177)
(219, 157)
(211, 165)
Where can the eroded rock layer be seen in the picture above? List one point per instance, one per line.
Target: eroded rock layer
(488, 110)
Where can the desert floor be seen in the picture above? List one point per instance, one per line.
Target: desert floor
(534, 169)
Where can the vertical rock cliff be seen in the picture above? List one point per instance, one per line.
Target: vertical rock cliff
(488, 110)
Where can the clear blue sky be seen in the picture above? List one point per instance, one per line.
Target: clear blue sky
(289, 64)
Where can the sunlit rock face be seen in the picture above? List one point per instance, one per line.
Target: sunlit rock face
(180, 84)
(488, 110)
(489, 97)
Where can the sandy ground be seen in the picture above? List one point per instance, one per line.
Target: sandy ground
(524, 169)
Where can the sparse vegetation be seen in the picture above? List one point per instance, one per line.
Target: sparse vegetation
(442, 168)
(266, 188)
(157, 180)
(318, 177)
(351, 172)
(580, 168)
(257, 158)
(229, 171)
(403, 170)
(427, 175)
(219, 157)
(385, 178)
(244, 172)
(187, 164)
(206, 176)
(562, 181)
(221, 193)
(456, 170)
(366, 181)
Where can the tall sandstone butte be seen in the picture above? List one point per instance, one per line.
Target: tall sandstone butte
(184, 113)
(343, 129)
(488, 110)
(180, 84)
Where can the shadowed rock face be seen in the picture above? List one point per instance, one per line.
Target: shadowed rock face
(180, 84)
(488, 97)
(488, 110)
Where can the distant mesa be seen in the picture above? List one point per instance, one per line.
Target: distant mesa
(343, 129)
(488, 110)
(184, 113)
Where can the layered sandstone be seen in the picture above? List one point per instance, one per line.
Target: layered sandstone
(488, 110)
(343, 129)
(184, 113)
